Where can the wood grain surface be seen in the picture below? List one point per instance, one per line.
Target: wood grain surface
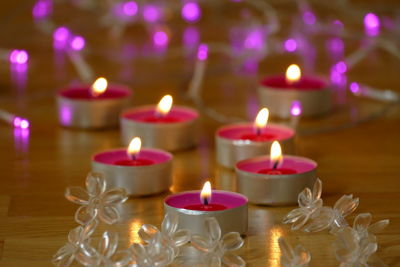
(363, 160)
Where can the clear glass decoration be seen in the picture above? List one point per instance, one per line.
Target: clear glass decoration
(356, 245)
(293, 257)
(312, 216)
(106, 254)
(310, 202)
(217, 249)
(154, 254)
(77, 238)
(169, 235)
(95, 201)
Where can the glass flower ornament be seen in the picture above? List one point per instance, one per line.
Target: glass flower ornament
(332, 218)
(293, 257)
(170, 236)
(106, 254)
(310, 202)
(153, 254)
(95, 201)
(72, 250)
(355, 246)
(218, 250)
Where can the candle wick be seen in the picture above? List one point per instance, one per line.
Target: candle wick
(258, 131)
(133, 157)
(205, 202)
(275, 166)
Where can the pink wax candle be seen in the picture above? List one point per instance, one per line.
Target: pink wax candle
(245, 140)
(163, 126)
(275, 179)
(279, 91)
(229, 208)
(140, 171)
(95, 106)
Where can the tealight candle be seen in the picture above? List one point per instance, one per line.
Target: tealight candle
(140, 171)
(161, 126)
(246, 140)
(193, 207)
(275, 179)
(278, 92)
(96, 106)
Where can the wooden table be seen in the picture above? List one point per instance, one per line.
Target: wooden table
(35, 217)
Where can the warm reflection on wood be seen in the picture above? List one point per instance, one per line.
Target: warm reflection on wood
(274, 252)
(134, 227)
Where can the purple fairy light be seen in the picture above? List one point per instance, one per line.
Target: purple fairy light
(309, 18)
(151, 13)
(22, 123)
(18, 57)
(254, 40)
(341, 67)
(296, 108)
(202, 52)
(60, 37)
(17, 122)
(191, 12)
(130, 8)
(160, 38)
(61, 34)
(42, 9)
(355, 88)
(371, 24)
(77, 43)
(290, 45)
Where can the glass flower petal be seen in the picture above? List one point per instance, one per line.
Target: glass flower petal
(95, 184)
(77, 195)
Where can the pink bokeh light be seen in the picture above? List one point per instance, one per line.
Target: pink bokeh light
(202, 52)
(371, 24)
(191, 12)
(77, 43)
(296, 108)
(18, 57)
(290, 45)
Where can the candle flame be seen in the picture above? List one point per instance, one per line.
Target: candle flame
(276, 153)
(293, 73)
(205, 195)
(134, 147)
(99, 87)
(261, 119)
(164, 106)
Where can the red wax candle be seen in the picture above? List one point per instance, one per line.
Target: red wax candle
(279, 92)
(221, 200)
(209, 207)
(147, 114)
(278, 171)
(306, 83)
(246, 131)
(134, 162)
(176, 130)
(84, 93)
(149, 173)
(79, 108)
(290, 165)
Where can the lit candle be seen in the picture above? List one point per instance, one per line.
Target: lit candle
(94, 106)
(193, 207)
(279, 91)
(275, 179)
(245, 140)
(163, 126)
(140, 171)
